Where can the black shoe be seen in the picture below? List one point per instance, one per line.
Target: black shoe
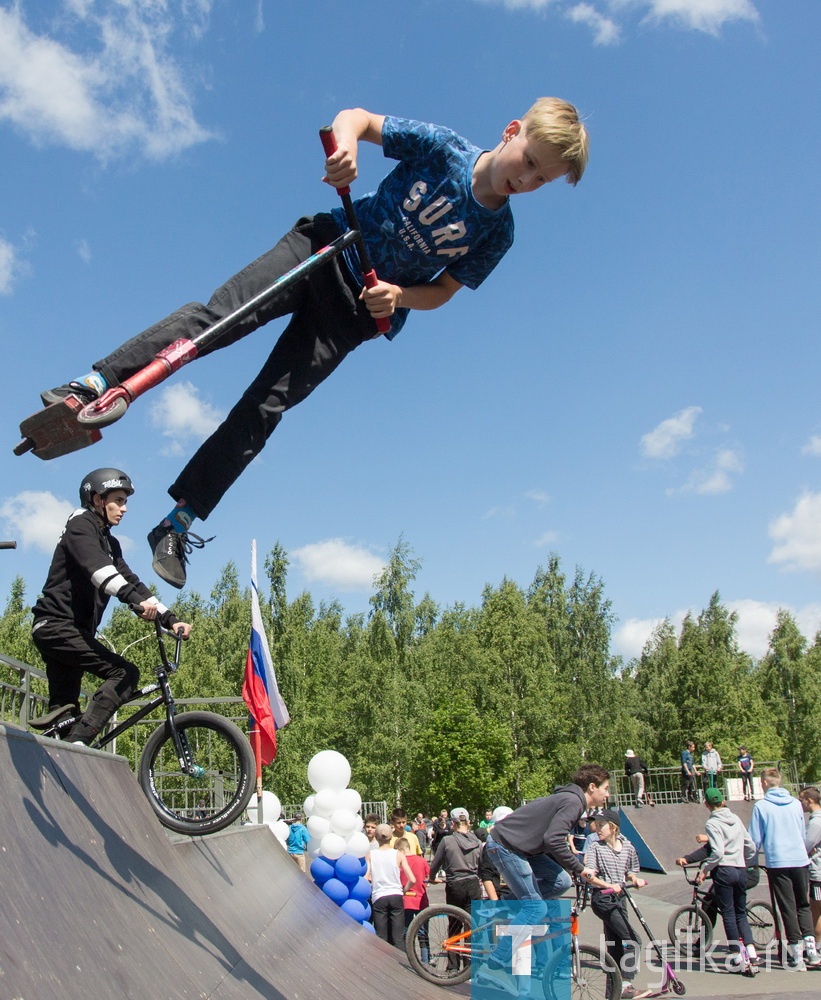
(170, 551)
(82, 392)
(81, 732)
(53, 718)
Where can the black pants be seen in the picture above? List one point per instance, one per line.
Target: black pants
(328, 322)
(389, 919)
(68, 653)
(621, 940)
(791, 892)
(688, 787)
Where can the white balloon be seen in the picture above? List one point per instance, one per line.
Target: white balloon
(343, 822)
(308, 805)
(333, 846)
(329, 769)
(313, 848)
(325, 802)
(281, 830)
(349, 798)
(271, 808)
(358, 845)
(318, 826)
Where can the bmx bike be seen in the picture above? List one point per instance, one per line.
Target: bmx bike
(440, 945)
(197, 768)
(690, 928)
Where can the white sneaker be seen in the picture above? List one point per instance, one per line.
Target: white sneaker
(811, 956)
(497, 979)
(795, 958)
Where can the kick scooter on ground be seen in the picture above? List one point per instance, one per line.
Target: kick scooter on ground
(69, 425)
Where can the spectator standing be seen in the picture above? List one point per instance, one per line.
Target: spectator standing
(441, 827)
(415, 897)
(777, 826)
(711, 765)
(298, 838)
(636, 770)
(688, 773)
(387, 895)
(399, 823)
(746, 764)
(419, 827)
(487, 822)
(810, 800)
(371, 822)
(458, 855)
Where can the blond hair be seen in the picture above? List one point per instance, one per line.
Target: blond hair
(772, 776)
(557, 122)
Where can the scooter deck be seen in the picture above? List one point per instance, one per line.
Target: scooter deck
(53, 431)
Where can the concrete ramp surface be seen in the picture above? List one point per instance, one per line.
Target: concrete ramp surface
(98, 902)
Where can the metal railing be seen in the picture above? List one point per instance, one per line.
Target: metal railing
(664, 783)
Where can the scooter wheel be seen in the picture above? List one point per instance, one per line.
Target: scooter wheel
(678, 987)
(99, 414)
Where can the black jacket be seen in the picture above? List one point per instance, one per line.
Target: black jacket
(87, 569)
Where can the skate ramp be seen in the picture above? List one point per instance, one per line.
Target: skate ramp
(98, 901)
(663, 833)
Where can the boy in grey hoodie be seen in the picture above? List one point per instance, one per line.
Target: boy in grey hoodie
(731, 851)
(777, 825)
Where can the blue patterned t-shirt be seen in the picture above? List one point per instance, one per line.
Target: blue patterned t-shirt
(423, 217)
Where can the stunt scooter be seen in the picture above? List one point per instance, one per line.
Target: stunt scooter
(69, 425)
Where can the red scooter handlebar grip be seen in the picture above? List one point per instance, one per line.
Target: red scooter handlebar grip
(383, 325)
(328, 139)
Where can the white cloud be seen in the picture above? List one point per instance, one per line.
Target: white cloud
(337, 563)
(83, 250)
(179, 414)
(548, 538)
(708, 16)
(125, 94)
(9, 266)
(813, 446)
(665, 440)
(716, 478)
(538, 497)
(605, 30)
(754, 626)
(797, 535)
(35, 519)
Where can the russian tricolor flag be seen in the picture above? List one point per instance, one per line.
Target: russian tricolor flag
(259, 689)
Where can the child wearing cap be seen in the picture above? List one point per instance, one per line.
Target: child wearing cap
(731, 851)
(613, 858)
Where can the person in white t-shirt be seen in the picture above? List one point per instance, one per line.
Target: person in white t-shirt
(384, 866)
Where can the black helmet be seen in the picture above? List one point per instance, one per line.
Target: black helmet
(103, 481)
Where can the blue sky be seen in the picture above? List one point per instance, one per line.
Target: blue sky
(634, 388)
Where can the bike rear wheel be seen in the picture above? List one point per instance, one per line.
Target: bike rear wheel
(761, 919)
(690, 931)
(218, 793)
(596, 977)
(430, 946)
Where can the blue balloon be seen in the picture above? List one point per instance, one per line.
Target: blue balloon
(367, 910)
(364, 866)
(361, 890)
(347, 869)
(368, 927)
(335, 890)
(354, 909)
(321, 870)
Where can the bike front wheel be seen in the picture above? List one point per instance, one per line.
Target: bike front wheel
(437, 943)
(593, 974)
(690, 931)
(217, 792)
(761, 919)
